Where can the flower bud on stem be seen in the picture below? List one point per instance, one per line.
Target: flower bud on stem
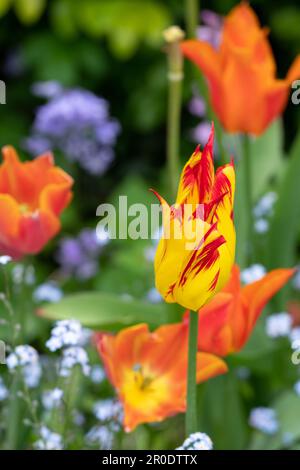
(173, 36)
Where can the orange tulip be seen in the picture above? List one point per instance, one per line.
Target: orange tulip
(226, 323)
(245, 93)
(149, 370)
(32, 196)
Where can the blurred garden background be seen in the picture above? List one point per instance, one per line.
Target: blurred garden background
(69, 65)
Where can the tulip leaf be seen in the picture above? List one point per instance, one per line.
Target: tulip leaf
(258, 352)
(99, 310)
(266, 158)
(284, 226)
(226, 423)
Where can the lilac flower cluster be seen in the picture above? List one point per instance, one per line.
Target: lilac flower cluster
(211, 29)
(78, 256)
(77, 123)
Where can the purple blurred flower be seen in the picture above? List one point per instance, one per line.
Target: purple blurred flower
(211, 29)
(14, 64)
(77, 123)
(79, 256)
(197, 106)
(47, 89)
(201, 133)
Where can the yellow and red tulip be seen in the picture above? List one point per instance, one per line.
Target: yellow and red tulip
(245, 93)
(149, 370)
(191, 272)
(32, 196)
(226, 323)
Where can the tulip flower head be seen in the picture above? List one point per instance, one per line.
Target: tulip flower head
(229, 319)
(196, 252)
(241, 73)
(149, 370)
(32, 196)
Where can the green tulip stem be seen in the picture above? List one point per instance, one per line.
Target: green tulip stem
(191, 417)
(248, 196)
(192, 14)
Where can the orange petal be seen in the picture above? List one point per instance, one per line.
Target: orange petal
(294, 72)
(214, 328)
(9, 226)
(36, 230)
(55, 197)
(256, 295)
(209, 366)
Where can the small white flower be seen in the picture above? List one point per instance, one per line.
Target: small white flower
(264, 419)
(278, 325)
(71, 357)
(52, 398)
(153, 296)
(149, 253)
(97, 374)
(253, 273)
(261, 226)
(49, 440)
(78, 418)
(296, 280)
(4, 260)
(32, 375)
(23, 355)
(29, 277)
(295, 337)
(108, 410)
(3, 390)
(101, 436)
(297, 387)
(243, 373)
(48, 292)
(156, 236)
(26, 357)
(102, 235)
(265, 205)
(197, 441)
(65, 333)
(18, 274)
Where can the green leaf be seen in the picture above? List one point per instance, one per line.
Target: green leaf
(285, 23)
(125, 23)
(29, 11)
(62, 17)
(266, 158)
(105, 311)
(221, 412)
(4, 6)
(284, 227)
(258, 352)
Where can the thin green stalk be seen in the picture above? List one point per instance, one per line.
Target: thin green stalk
(191, 419)
(173, 36)
(15, 407)
(248, 197)
(192, 13)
